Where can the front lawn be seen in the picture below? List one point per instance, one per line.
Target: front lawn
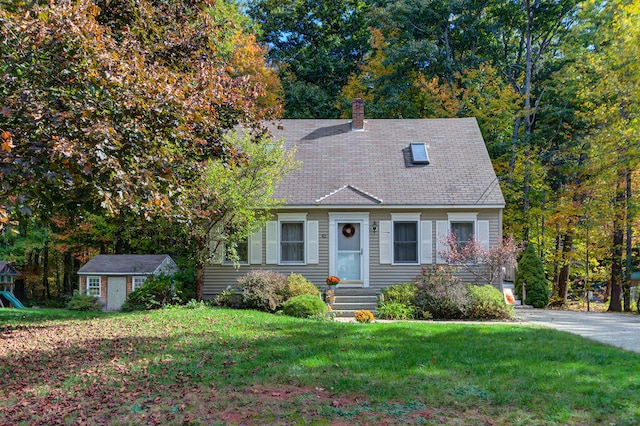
(208, 366)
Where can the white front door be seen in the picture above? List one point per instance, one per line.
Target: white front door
(116, 292)
(349, 248)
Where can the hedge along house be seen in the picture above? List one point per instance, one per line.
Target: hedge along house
(111, 277)
(372, 201)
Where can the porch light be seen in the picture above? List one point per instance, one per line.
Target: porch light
(374, 226)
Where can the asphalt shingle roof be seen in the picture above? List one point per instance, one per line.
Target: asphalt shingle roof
(345, 167)
(123, 263)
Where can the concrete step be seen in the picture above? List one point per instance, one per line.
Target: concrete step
(349, 300)
(346, 291)
(356, 299)
(350, 313)
(354, 306)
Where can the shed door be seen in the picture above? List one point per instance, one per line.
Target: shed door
(116, 292)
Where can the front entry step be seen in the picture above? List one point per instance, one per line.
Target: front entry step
(348, 301)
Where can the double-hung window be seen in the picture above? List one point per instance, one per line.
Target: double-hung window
(136, 282)
(93, 286)
(406, 238)
(405, 242)
(242, 250)
(463, 231)
(292, 242)
(463, 227)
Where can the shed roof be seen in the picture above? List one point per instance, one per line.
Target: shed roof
(125, 264)
(374, 166)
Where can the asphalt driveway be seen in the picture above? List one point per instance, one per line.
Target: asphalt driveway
(620, 330)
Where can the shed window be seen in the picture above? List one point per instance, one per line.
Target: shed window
(419, 153)
(136, 282)
(93, 286)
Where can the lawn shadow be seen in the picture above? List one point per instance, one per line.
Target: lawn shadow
(444, 364)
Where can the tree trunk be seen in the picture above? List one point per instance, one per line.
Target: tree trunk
(67, 264)
(199, 280)
(556, 262)
(563, 278)
(45, 271)
(514, 148)
(615, 302)
(629, 239)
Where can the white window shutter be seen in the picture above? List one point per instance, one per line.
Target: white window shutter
(255, 248)
(441, 233)
(483, 234)
(385, 242)
(426, 245)
(312, 242)
(272, 242)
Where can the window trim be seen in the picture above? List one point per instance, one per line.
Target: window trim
(463, 218)
(133, 282)
(293, 218)
(405, 218)
(88, 287)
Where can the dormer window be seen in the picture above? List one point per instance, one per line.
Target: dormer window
(419, 153)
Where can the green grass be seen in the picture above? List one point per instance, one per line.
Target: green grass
(217, 365)
(22, 317)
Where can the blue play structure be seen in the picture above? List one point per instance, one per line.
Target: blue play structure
(12, 299)
(7, 282)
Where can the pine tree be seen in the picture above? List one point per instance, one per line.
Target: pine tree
(531, 272)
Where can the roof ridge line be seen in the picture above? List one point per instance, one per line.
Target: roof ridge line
(353, 188)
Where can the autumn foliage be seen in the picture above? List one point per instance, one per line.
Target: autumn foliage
(114, 104)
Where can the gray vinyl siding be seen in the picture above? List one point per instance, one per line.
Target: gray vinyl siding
(219, 277)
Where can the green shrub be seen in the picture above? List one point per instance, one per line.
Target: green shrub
(395, 311)
(297, 285)
(59, 303)
(531, 271)
(185, 284)
(159, 291)
(263, 290)
(191, 304)
(441, 294)
(83, 302)
(487, 302)
(230, 299)
(404, 293)
(304, 306)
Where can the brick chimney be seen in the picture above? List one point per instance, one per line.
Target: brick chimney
(357, 115)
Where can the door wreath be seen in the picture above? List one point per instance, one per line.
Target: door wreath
(348, 230)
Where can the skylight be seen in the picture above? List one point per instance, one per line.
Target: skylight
(419, 153)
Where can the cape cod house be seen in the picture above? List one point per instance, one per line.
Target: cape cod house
(372, 201)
